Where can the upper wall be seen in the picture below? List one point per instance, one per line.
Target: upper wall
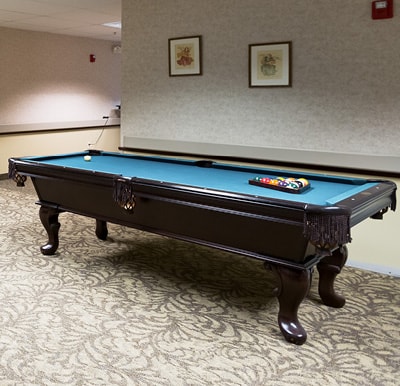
(344, 94)
(47, 81)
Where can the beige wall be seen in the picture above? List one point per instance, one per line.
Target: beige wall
(374, 246)
(56, 142)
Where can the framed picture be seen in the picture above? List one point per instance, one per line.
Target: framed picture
(270, 65)
(184, 56)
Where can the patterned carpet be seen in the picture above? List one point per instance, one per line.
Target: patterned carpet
(140, 309)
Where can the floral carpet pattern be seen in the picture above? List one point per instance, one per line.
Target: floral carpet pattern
(140, 309)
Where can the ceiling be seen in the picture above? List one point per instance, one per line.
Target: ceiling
(84, 18)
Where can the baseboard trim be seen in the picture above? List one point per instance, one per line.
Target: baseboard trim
(392, 271)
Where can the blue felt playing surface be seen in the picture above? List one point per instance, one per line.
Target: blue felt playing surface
(223, 177)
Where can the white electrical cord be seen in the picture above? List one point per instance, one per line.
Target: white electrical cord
(102, 131)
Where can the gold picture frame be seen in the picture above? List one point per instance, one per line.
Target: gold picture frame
(270, 64)
(185, 56)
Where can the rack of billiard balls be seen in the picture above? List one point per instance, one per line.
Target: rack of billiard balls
(285, 184)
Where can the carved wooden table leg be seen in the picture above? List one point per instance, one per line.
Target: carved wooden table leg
(101, 229)
(49, 218)
(293, 288)
(328, 269)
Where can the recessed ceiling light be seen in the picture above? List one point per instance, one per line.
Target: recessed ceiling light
(114, 24)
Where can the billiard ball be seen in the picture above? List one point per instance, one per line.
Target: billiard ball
(87, 158)
(294, 185)
(303, 182)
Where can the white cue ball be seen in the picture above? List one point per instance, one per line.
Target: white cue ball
(87, 157)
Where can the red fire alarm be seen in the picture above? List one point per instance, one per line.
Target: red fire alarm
(382, 9)
(92, 58)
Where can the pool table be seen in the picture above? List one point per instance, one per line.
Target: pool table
(214, 204)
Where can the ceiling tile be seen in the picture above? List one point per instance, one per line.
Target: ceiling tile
(70, 17)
